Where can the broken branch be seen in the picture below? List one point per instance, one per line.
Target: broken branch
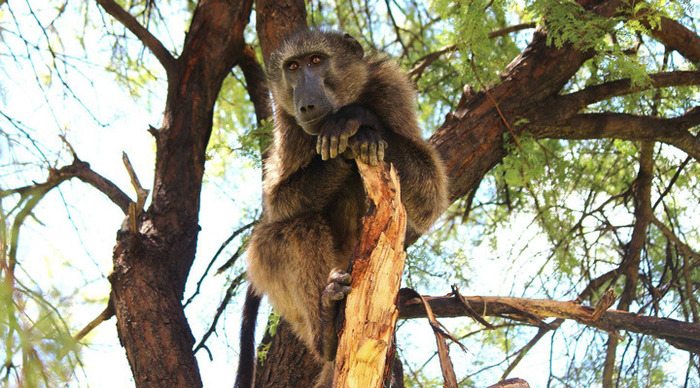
(365, 342)
(675, 332)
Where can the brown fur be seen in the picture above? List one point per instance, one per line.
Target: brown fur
(312, 207)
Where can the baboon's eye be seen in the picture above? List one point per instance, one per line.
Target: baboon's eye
(292, 65)
(316, 59)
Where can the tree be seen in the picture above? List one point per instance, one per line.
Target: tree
(578, 117)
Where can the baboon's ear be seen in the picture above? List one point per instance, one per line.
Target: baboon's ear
(354, 45)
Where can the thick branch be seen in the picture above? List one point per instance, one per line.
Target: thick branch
(628, 127)
(523, 309)
(104, 185)
(151, 42)
(151, 265)
(562, 107)
(256, 84)
(676, 36)
(669, 32)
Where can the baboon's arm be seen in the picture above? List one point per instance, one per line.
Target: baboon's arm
(309, 189)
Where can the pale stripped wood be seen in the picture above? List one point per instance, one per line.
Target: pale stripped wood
(365, 341)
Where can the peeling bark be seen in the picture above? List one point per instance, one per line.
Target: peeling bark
(365, 348)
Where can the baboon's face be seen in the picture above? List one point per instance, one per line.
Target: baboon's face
(313, 96)
(316, 73)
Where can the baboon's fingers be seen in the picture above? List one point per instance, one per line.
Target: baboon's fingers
(356, 150)
(337, 275)
(333, 293)
(333, 152)
(324, 147)
(380, 151)
(345, 290)
(373, 154)
(343, 144)
(364, 153)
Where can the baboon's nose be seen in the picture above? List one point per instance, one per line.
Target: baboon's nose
(307, 108)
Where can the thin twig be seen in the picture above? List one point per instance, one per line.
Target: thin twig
(216, 255)
(220, 310)
(105, 315)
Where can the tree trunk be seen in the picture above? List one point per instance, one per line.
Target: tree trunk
(152, 260)
(287, 363)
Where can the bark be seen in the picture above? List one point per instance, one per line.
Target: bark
(152, 259)
(365, 348)
(534, 310)
(276, 20)
(287, 362)
(471, 139)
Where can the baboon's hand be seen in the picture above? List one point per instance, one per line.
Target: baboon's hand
(338, 128)
(367, 146)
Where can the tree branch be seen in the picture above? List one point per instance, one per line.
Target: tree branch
(677, 37)
(256, 84)
(514, 28)
(682, 246)
(682, 334)
(105, 315)
(151, 42)
(364, 344)
(428, 59)
(81, 170)
(671, 131)
(669, 32)
(562, 107)
(641, 188)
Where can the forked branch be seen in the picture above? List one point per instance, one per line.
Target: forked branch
(161, 53)
(81, 170)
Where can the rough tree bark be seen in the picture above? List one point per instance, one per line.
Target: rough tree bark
(153, 255)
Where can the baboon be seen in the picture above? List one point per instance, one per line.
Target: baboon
(332, 104)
